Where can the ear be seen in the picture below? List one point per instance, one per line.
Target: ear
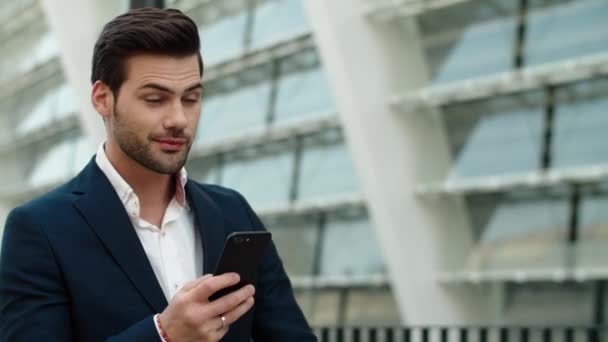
(102, 99)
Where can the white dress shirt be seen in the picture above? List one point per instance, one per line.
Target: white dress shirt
(174, 249)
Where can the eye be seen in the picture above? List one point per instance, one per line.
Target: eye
(153, 100)
(191, 99)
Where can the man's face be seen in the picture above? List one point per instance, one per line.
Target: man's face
(156, 111)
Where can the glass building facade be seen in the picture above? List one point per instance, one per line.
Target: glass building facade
(516, 88)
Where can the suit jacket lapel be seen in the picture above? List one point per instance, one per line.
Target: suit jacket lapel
(210, 223)
(103, 210)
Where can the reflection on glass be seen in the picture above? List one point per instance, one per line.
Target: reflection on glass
(565, 31)
(498, 143)
(371, 306)
(223, 39)
(524, 231)
(264, 181)
(326, 171)
(342, 237)
(479, 50)
(54, 166)
(580, 125)
(233, 113)
(296, 244)
(278, 20)
(302, 94)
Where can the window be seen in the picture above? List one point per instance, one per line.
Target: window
(581, 124)
(222, 40)
(296, 243)
(521, 230)
(326, 169)
(484, 30)
(302, 94)
(277, 20)
(496, 137)
(565, 31)
(342, 237)
(228, 114)
(263, 180)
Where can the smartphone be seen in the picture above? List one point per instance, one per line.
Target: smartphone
(242, 253)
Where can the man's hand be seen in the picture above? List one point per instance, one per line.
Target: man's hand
(192, 317)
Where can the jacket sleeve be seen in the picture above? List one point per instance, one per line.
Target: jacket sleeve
(34, 303)
(277, 316)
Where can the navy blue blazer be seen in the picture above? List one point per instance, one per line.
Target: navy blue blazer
(73, 269)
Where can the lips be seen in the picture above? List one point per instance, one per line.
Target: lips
(171, 144)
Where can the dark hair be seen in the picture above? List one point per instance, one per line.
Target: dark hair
(142, 31)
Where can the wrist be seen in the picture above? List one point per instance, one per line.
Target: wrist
(159, 327)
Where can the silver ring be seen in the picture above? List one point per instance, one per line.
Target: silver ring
(223, 321)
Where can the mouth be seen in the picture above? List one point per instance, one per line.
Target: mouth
(171, 144)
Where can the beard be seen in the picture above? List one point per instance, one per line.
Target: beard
(140, 149)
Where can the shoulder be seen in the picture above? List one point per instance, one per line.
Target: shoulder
(49, 207)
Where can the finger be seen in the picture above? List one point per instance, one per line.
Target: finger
(230, 301)
(192, 284)
(219, 334)
(209, 286)
(236, 313)
(213, 325)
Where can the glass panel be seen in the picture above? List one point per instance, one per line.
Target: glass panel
(581, 124)
(223, 39)
(41, 114)
(296, 243)
(566, 31)
(325, 308)
(593, 233)
(523, 231)
(327, 171)
(549, 304)
(234, 113)
(25, 51)
(371, 307)
(54, 166)
(302, 94)
(66, 101)
(342, 237)
(263, 181)
(498, 137)
(305, 299)
(204, 170)
(83, 153)
(484, 29)
(278, 20)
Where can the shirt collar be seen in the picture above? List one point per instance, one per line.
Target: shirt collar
(124, 190)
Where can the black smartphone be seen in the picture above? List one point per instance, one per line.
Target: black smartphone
(243, 252)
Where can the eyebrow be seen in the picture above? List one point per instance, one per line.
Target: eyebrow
(165, 89)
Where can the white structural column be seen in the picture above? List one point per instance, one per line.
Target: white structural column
(393, 152)
(76, 25)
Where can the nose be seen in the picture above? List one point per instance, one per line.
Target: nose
(176, 118)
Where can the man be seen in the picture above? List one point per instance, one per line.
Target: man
(118, 252)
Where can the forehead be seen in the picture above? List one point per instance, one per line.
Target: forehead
(167, 70)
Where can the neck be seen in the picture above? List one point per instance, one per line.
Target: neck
(152, 188)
